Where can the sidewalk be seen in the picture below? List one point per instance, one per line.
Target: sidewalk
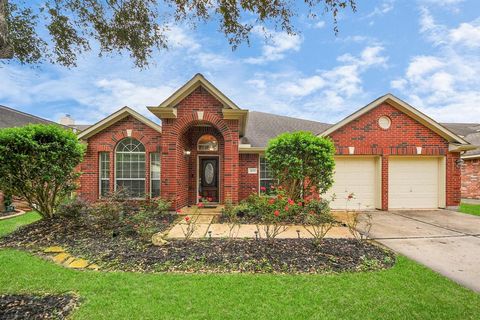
(205, 228)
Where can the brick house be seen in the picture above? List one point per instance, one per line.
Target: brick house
(388, 153)
(470, 188)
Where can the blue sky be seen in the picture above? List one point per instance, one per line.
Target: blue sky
(426, 52)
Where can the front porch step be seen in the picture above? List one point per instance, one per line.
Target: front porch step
(194, 210)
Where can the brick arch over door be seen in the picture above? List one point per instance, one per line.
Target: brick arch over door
(174, 162)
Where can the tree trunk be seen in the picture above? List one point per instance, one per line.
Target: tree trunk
(6, 50)
(2, 199)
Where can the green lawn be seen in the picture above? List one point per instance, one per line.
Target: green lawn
(407, 291)
(470, 208)
(9, 225)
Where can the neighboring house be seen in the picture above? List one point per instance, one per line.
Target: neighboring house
(471, 159)
(388, 153)
(10, 118)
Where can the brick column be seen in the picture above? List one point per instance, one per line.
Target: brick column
(230, 171)
(454, 181)
(384, 190)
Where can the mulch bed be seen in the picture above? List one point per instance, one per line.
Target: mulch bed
(208, 255)
(262, 256)
(22, 306)
(72, 233)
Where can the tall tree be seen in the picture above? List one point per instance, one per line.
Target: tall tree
(136, 27)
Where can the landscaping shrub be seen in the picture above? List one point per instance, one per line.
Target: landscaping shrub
(116, 215)
(302, 162)
(37, 163)
(142, 222)
(317, 219)
(74, 208)
(271, 213)
(356, 217)
(231, 214)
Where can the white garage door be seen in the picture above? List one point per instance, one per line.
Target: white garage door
(413, 183)
(354, 175)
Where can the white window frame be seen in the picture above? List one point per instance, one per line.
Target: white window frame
(151, 171)
(260, 179)
(101, 167)
(144, 179)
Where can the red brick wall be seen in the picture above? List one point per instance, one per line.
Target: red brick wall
(106, 141)
(471, 179)
(248, 182)
(402, 138)
(178, 173)
(177, 184)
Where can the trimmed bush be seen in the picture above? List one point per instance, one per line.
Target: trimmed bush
(37, 163)
(302, 162)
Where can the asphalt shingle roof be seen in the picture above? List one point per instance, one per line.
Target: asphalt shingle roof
(469, 132)
(13, 118)
(262, 127)
(462, 129)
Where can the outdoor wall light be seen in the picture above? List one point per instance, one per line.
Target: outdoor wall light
(187, 153)
(459, 163)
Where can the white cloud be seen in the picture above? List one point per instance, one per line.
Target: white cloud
(385, 7)
(319, 25)
(442, 2)
(445, 84)
(179, 37)
(276, 46)
(304, 86)
(333, 92)
(467, 34)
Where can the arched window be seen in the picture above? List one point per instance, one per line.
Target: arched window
(207, 142)
(130, 167)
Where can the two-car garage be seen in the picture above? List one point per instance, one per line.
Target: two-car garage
(414, 182)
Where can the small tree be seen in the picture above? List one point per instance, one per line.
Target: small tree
(302, 162)
(37, 162)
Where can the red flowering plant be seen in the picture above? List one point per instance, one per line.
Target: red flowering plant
(189, 224)
(272, 224)
(317, 218)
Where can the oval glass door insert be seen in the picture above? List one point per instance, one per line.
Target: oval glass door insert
(209, 173)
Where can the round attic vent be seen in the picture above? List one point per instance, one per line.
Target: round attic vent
(384, 122)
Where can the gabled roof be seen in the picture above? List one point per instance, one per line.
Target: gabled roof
(13, 118)
(168, 108)
(113, 118)
(262, 127)
(189, 87)
(405, 108)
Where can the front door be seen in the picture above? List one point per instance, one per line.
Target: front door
(208, 187)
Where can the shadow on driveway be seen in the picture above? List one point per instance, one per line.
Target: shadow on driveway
(448, 242)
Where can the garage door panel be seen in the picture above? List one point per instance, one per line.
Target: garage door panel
(354, 175)
(413, 183)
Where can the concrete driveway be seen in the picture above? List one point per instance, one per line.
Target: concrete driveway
(447, 242)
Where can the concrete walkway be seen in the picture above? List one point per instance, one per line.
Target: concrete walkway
(204, 228)
(447, 242)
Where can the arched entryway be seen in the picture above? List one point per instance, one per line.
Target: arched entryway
(201, 166)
